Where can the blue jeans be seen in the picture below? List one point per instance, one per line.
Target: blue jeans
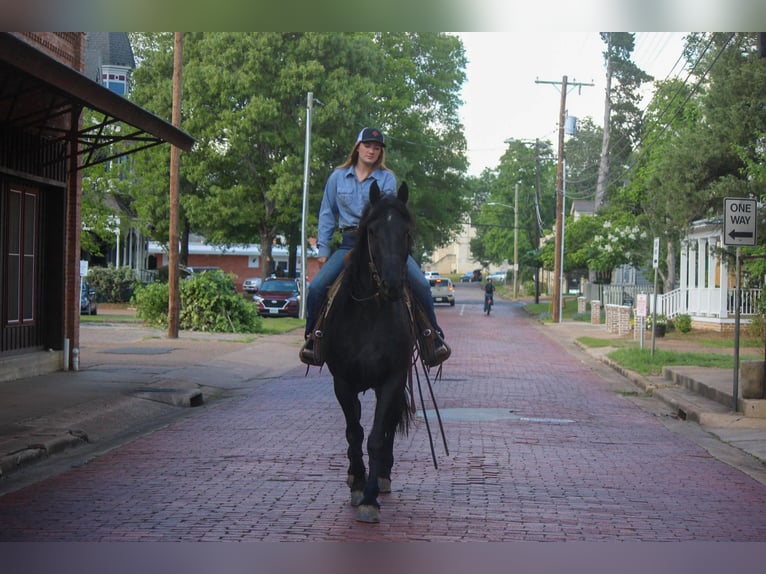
(329, 272)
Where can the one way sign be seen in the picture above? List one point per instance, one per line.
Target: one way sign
(739, 222)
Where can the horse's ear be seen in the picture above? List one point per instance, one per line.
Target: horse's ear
(404, 192)
(374, 192)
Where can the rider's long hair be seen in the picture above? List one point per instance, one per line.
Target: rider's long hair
(353, 157)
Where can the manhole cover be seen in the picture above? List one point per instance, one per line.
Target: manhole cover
(140, 351)
(488, 414)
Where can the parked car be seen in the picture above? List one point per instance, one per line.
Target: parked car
(431, 274)
(252, 284)
(278, 298)
(88, 299)
(442, 290)
(471, 276)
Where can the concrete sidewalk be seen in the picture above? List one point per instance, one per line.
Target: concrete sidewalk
(134, 379)
(696, 394)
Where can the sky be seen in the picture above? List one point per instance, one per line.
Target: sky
(502, 99)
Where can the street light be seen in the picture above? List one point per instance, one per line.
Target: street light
(515, 208)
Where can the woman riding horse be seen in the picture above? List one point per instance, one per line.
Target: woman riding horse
(345, 196)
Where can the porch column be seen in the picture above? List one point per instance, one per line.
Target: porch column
(724, 298)
(684, 276)
(701, 245)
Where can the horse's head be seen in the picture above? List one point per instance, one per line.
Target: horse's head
(385, 228)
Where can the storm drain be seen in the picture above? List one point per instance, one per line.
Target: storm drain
(488, 415)
(177, 397)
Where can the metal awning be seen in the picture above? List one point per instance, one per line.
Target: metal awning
(36, 89)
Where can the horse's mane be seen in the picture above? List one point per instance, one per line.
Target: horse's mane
(371, 212)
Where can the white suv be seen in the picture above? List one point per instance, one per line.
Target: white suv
(442, 290)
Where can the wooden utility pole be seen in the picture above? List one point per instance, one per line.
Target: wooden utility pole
(558, 279)
(175, 160)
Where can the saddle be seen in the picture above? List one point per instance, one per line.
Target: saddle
(429, 346)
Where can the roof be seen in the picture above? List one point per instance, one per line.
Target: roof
(113, 48)
(28, 75)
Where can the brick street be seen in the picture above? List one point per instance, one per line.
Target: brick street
(542, 447)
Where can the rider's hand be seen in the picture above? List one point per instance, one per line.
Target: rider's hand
(321, 260)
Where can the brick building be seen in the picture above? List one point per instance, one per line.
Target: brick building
(43, 148)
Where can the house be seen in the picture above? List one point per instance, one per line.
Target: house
(243, 261)
(707, 285)
(43, 150)
(455, 257)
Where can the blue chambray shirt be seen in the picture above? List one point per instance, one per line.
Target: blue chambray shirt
(344, 200)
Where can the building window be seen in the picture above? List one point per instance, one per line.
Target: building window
(115, 79)
(21, 225)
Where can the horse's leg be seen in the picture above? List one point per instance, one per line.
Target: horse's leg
(383, 429)
(352, 411)
(386, 462)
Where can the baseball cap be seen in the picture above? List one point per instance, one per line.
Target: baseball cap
(371, 135)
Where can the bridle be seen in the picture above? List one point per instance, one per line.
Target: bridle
(373, 268)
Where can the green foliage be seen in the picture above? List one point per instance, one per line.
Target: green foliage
(683, 323)
(757, 327)
(113, 284)
(208, 302)
(241, 183)
(642, 361)
(151, 303)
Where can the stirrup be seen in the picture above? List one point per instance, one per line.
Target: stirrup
(309, 353)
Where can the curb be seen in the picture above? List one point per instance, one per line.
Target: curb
(38, 451)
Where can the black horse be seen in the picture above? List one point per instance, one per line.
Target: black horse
(369, 341)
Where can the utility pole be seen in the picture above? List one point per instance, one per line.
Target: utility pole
(556, 310)
(305, 210)
(175, 160)
(516, 241)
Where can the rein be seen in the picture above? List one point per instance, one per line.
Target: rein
(373, 273)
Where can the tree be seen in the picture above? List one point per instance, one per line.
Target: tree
(622, 115)
(529, 165)
(243, 181)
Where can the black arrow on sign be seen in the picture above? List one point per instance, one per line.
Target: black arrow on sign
(735, 234)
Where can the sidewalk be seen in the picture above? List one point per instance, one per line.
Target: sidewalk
(687, 390)
(134, 379)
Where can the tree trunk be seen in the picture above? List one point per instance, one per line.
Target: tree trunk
(603, 168)
(671, 262)
(267, 241)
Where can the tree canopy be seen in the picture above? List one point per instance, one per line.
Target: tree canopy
(244, 100)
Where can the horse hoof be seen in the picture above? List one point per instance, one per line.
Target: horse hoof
(368, 513)
(356, 497)
(384, 485)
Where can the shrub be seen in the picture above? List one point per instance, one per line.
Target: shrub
(757, 326)
(208, 302)
(113, 284)
(683, 323)
(151, 303)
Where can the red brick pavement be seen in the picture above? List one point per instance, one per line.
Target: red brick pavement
(571, 460)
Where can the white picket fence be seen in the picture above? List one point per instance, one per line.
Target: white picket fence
(703, 302)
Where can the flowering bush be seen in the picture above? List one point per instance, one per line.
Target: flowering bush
(615, 246)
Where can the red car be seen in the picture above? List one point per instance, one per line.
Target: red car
(278, 298)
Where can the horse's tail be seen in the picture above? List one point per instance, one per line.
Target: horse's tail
(405, 413)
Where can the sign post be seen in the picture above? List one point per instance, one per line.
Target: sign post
(739, 228)
(641, 316)
(656, 266)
